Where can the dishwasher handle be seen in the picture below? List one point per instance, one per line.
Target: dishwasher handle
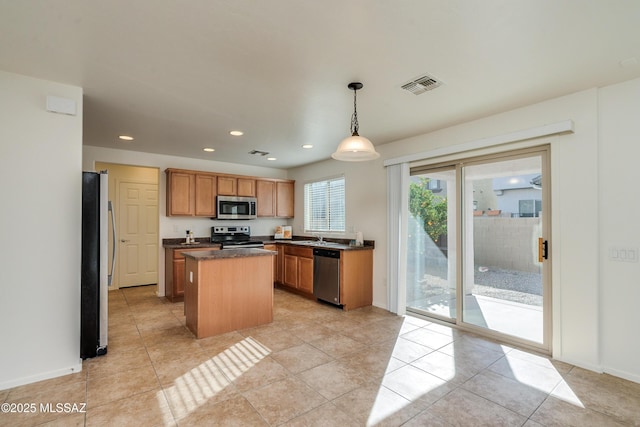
(327, 253)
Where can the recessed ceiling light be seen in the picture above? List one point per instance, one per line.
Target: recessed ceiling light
(209, 150)
(307, 146)
(271, 158)
(236, 133)
(126, 137)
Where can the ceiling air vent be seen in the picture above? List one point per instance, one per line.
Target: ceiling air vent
(258, 153)
(421, 84)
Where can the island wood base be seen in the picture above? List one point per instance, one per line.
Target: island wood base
(228, 294)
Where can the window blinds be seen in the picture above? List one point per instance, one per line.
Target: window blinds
(324, 205)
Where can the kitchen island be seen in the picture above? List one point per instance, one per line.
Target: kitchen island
(227, 290)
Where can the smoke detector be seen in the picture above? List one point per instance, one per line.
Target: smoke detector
(422, 84)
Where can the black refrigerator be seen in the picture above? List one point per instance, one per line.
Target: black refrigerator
(97, 271)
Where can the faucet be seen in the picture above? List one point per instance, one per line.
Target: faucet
(319, 237)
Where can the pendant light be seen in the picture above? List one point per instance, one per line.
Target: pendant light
(355, 148)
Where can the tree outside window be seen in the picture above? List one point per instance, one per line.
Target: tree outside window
(429, 208)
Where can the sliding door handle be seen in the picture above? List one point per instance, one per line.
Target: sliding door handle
(543, 249)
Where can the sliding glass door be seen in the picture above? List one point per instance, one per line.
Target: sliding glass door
(477, 245)
(431, 244)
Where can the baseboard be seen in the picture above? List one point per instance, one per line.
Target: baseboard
(42, 376)
(580, 364)
(622, 374)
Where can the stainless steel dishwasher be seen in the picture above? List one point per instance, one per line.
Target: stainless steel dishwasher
(326, 275)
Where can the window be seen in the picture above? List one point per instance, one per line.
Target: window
(434, 185)
(324, 205)
(529, 208)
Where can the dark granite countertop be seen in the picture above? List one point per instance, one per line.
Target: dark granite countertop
(338, 244)
(178, 243)
(227, 254)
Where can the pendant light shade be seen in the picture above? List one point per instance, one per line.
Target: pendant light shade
(355, 148)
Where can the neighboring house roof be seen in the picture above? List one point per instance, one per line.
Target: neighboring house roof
(514, 182)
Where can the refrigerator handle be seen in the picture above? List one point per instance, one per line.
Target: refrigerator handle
(115, 246)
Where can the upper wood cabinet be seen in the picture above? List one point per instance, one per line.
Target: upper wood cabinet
(284, 199)
(266, 197)
(180, 193)
(236, 186)
(205, 195)
(246, 187)
(227, 186)
(193, 193)
(275, 198)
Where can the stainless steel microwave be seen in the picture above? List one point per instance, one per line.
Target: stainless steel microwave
(231, 207)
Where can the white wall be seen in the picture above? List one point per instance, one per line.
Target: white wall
(40, 189)
(365, 209)
(171, 227)
(619, 227)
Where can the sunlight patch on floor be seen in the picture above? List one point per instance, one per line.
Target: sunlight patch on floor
(195, 387)
(543, 376)
(386, 404)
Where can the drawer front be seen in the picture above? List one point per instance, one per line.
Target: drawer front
(299, 251)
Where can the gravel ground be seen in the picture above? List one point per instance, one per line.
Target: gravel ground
(529, 283)
(509, 285)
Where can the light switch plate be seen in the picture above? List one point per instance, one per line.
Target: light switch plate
(623, 254)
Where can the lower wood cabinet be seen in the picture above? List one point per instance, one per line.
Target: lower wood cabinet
(174, 272)
(356, 278)
(294, 271)
(298, 269)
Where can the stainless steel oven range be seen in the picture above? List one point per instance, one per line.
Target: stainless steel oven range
(234, 237)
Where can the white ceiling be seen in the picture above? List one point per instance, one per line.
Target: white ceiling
(179, 75)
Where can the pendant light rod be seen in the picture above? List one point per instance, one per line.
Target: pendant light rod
(355, 86)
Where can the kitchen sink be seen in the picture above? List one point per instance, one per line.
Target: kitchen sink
(315, 243)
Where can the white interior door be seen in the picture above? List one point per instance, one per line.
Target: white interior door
(138, 235)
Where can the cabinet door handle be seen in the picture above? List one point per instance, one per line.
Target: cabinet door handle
(124, 241)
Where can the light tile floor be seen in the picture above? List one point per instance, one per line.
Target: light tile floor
(316, 365)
